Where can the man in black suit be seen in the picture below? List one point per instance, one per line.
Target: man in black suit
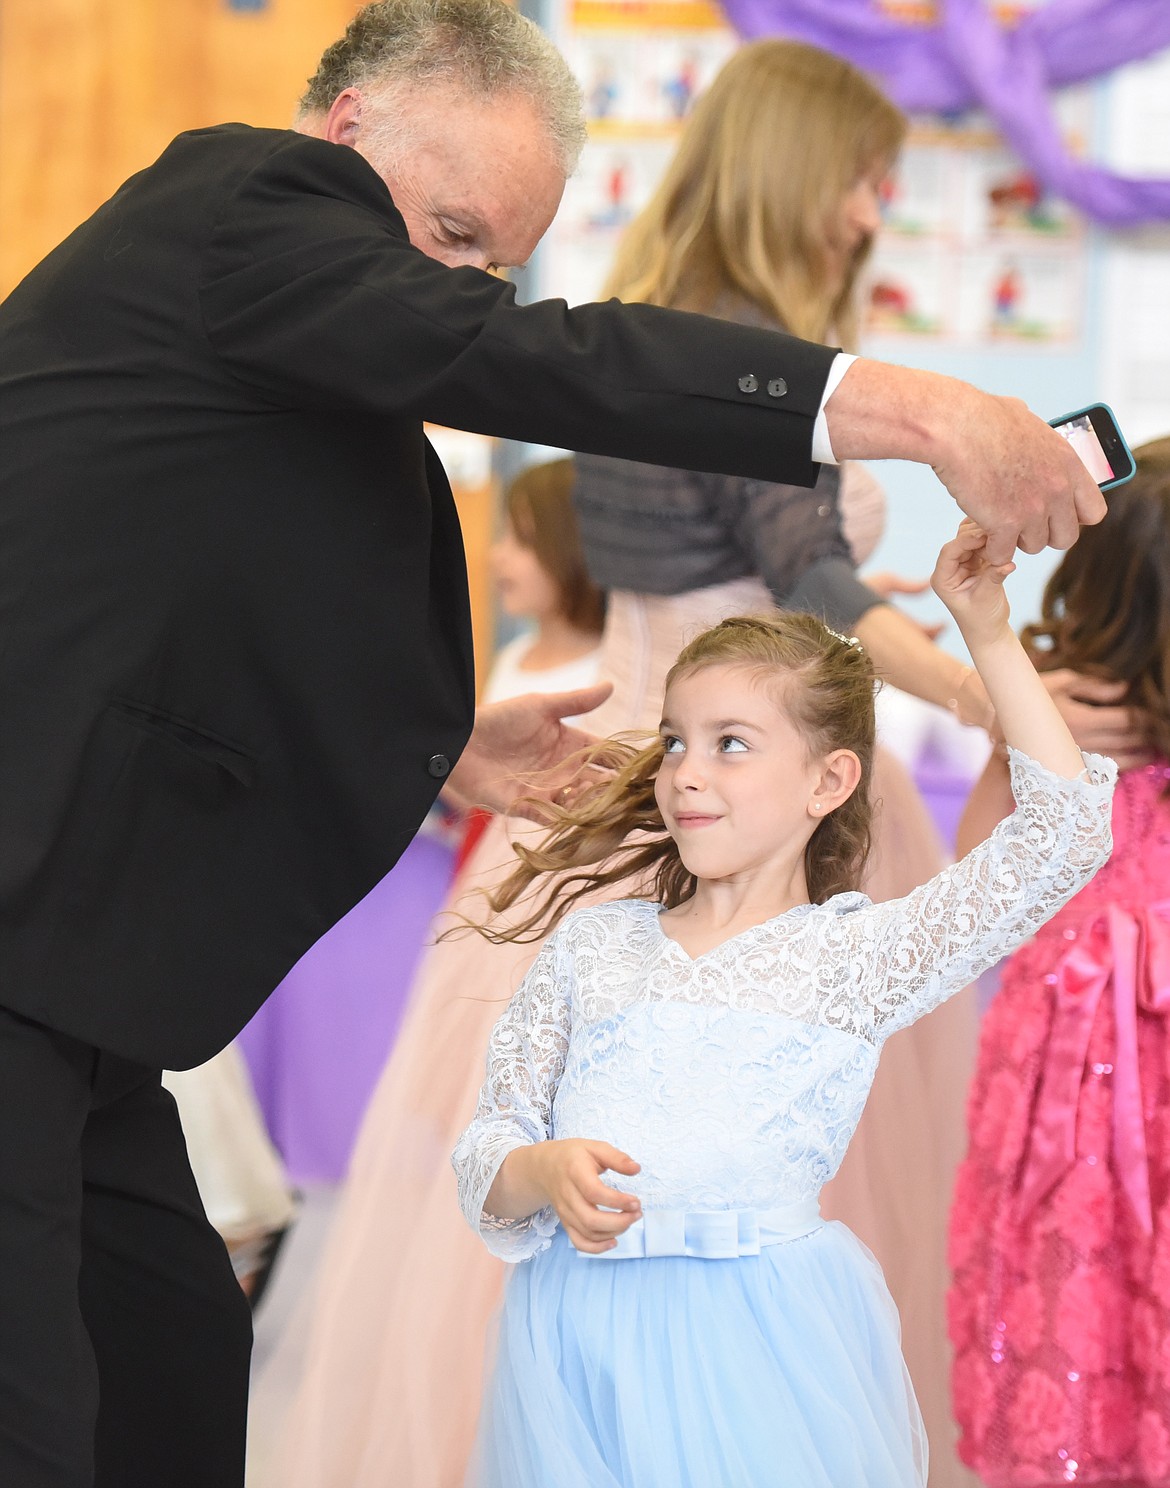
(235, 656)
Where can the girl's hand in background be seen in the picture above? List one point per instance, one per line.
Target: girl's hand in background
(1099, 718)
(888, 584)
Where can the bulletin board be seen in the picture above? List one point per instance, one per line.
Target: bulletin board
(640, 64)
(973, 253)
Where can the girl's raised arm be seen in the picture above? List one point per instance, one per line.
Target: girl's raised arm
(972, 589)
(920, 949)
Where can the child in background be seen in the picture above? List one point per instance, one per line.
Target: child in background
(1060, 1236)
(675, 1081)
(388, 1348)
(541, 578)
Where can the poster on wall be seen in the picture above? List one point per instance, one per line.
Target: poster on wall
(973, 250)
(641, 64)
(616, 177)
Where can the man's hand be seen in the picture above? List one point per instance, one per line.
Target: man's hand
(1011, 473)
(523, 748)
(1019, 479)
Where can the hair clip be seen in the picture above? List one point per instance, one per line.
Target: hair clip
(850, 641)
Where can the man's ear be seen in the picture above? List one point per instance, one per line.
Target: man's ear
(840, 774)
(343, 122)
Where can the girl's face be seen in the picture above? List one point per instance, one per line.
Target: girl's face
(526, 589)
(737, 788)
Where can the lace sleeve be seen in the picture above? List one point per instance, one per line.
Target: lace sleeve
(525, 1060)
(918, 950)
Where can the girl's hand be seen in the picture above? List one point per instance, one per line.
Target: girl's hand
(971, 587)
(569, 1173)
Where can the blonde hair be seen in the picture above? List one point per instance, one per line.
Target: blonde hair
(616, 832)
(748, 203)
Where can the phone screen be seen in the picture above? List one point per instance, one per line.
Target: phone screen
(1083, 437)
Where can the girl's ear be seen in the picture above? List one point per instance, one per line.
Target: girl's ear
(840, 773)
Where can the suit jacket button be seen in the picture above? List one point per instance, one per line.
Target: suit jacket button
(438, 765)
(748, 384)
(777, 388)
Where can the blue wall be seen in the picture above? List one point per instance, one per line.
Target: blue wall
(921, 514)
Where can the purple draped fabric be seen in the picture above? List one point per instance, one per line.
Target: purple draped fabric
(317, 1046)
(967, 60)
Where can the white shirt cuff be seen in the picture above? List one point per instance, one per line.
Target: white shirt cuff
(822, 448)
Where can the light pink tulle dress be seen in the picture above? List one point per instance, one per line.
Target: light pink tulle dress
(402, 1320)
(1060, 1310)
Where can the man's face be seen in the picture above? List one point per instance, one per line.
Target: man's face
(477, 182)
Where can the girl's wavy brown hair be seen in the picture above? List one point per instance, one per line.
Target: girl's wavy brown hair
(1106, 608)
(615, 833)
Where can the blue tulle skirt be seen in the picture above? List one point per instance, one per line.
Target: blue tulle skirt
(782, 1370)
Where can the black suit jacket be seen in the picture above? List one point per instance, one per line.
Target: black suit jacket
(234, 637)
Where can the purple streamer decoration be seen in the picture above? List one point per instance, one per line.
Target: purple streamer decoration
(966, 60)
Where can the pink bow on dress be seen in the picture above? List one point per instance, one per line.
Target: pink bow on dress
(1131, 950)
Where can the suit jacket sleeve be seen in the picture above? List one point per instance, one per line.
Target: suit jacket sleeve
(313, 296)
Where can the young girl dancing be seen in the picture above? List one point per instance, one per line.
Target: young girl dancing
(1060, 1239)
(675, 1080)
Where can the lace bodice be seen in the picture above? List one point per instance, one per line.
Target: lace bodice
(736, 1078)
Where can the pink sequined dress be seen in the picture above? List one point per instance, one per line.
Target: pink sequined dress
(1060, 1236)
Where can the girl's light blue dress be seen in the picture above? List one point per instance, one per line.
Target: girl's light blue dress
(734, 1339)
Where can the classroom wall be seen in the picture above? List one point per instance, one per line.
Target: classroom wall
(93, 90)
(1121, 357)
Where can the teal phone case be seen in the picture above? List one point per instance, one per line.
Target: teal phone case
(1132, 471)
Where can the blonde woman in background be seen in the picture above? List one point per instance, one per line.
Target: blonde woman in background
(767, 214)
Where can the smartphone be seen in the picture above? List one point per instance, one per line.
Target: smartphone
(1094, 434)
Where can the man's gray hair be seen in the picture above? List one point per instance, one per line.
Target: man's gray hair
(485, 47)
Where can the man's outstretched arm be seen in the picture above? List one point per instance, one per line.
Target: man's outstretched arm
(1016, 477)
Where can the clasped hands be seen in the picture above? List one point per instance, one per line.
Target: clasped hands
(1093, 708)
